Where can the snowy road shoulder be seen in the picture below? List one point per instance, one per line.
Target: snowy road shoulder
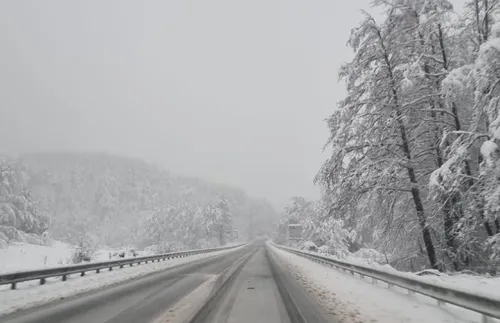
(353, 300)
(27, 295)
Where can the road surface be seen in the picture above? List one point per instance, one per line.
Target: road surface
(246, 285)
(262, 292)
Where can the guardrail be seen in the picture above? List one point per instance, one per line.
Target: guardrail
(487, 307)
(64, 272)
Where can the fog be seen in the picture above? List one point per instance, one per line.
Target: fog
(231, 91)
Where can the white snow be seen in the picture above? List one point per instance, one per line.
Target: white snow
(24, 256)
(495, 30)
(31, 294)
(456, 79)
(183, 310)
(369, 255)
(480, 285)
(496, 134)
(423, 19)
(492, 44)
(352, 299)
(488, 148)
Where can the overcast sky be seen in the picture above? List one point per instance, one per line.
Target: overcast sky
(232, 91)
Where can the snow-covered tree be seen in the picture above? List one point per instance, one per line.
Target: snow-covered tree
(218, 219)
(18, 211)
(317, 226)
(470, 170)
(380, 133)
(412, 169)
(117, 199)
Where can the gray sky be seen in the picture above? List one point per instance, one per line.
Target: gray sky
(232, 91)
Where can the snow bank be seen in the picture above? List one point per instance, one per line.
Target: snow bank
(29, 294)
(350, 299)
(19, 256)
(480, 285)
(369, 255)
(309, 246)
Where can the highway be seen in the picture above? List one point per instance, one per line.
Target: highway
(245, 285)
(261, 292)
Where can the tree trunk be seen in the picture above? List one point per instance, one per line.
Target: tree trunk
(449, 201)
(419, 207)
(486, 30)
(478, 23)
(487, 225)
(222, 240)
(449, 233)
(415, 192)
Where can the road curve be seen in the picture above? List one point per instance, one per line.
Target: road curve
(139, 300)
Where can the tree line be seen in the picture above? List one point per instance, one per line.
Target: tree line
(99, 199)
(414, 170)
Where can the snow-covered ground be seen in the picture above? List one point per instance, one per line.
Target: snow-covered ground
(351, 299)
(30, 294)
(480, 285)
(24, 256)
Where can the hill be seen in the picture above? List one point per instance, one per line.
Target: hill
(121, 201)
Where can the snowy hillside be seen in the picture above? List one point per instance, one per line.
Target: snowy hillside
(91, 200)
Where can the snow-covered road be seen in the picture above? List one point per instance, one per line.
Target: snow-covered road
(271, 288)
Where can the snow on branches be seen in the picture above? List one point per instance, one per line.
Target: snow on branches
(415, 158)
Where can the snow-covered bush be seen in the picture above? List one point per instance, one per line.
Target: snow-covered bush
(86, 248)
(371, 256)
(318, 227)
(309, 246)
(206, 243)
(9, 234)
(325, 250)
(162, 248)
